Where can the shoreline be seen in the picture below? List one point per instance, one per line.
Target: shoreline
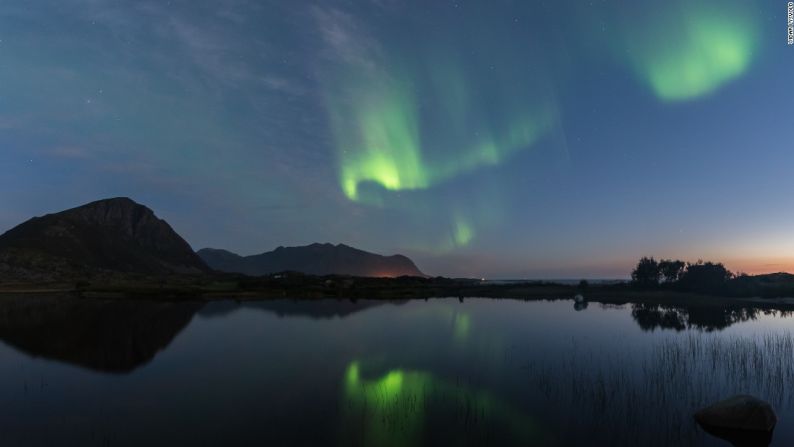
(316, 288)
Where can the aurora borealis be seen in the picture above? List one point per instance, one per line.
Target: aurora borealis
(703, 47)
(393, 410)
(487, 139)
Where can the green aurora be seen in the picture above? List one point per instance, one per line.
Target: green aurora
(411, 114)
(691, 51)
(392, 410)
(412, 122)
(408, 117)
(383, 144)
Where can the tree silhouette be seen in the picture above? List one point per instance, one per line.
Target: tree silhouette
(671, 270)
(711, 278)
(706, 277)
(647, 273)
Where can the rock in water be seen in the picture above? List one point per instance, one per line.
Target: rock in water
(742, 420)
(741, 412)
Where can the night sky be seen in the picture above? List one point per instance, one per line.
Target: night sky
(499, 139)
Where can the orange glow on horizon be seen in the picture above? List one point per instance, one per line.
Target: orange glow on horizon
(758, 266)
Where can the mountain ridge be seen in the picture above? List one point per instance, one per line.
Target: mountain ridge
(313, 259)
(108, 235)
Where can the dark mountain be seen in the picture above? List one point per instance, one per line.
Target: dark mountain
(222, 260)
(113, 235)
(314, 259)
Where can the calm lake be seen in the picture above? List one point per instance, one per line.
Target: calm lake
(376, 373)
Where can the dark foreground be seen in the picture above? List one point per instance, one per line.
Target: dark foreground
(473, 372)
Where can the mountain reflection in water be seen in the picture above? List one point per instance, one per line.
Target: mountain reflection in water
(111, 336)
(360, 373)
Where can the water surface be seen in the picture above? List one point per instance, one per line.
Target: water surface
(376, 373)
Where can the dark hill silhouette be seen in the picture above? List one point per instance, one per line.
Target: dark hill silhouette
(112, 235)
(775, 278)
(314, 259)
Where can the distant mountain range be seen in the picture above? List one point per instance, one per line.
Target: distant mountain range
(114, 235)
(121, 236)
(314, 259)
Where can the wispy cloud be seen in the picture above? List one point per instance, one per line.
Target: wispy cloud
(345, 38)
(72, 152)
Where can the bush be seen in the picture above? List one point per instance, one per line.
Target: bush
(706, 277)
(647, 273)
